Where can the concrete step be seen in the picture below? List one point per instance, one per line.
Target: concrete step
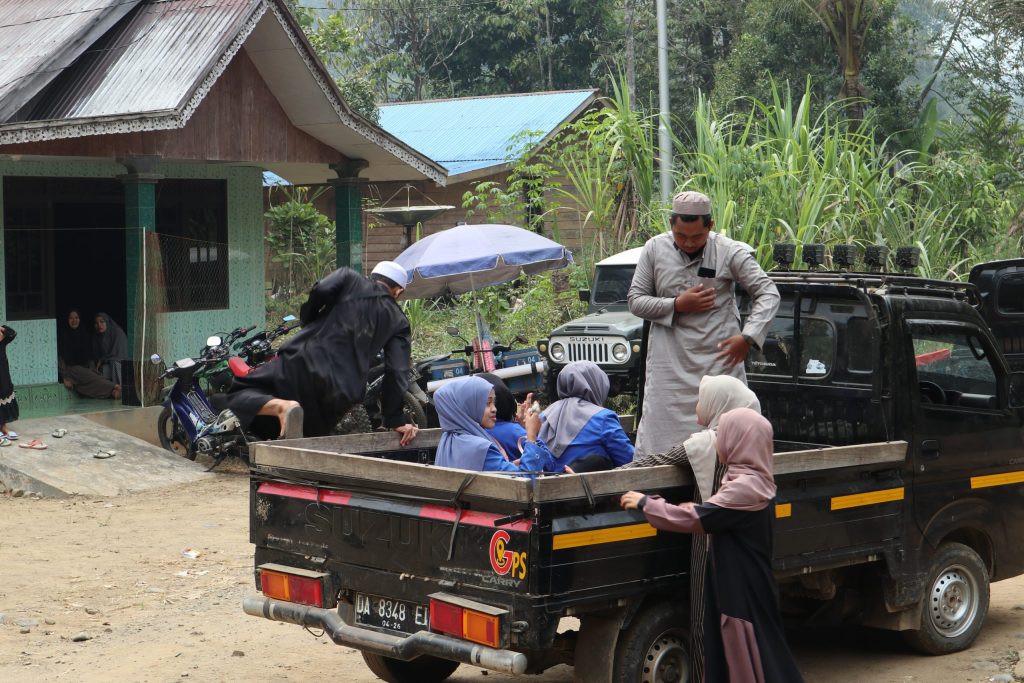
(67, 466)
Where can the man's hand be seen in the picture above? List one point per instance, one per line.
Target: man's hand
(630, 499)
(408, 433)
(734, 350)
(696, 300)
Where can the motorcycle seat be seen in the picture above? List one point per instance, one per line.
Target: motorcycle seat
(239, 368)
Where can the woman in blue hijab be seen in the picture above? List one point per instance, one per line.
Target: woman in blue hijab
(578, 424)
(465, 408)
(506, 430)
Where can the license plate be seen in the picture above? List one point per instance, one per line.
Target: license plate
(395, 615)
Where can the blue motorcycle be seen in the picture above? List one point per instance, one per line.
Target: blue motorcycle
(189, 424)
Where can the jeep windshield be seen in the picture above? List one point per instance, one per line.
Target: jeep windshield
(611, 284)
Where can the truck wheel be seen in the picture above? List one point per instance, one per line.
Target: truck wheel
(655, 647)
(425, 669)
(955, 603)
(172, 434)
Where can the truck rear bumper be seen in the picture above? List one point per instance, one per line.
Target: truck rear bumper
(399, 647)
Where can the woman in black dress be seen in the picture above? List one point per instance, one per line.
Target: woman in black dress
(8, 400)
(743, 633)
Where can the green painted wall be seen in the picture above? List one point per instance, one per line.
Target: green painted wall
(33, 356)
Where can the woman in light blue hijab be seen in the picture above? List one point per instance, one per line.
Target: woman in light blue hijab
(465, 408)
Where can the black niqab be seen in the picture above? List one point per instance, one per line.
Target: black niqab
(74, 345)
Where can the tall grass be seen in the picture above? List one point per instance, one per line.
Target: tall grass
(776, 173)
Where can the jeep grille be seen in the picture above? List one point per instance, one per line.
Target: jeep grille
(595, 349)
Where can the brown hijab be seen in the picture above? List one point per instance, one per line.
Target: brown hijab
(744, 445)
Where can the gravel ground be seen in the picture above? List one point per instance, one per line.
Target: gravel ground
(103, 589)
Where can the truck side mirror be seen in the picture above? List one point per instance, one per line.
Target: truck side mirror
(1016, 382)
(584, 295)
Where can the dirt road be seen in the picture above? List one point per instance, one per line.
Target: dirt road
(112, 573)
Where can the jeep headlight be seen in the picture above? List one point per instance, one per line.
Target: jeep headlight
(557, 352)
(620, 352)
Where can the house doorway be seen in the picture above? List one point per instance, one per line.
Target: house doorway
(64, 247)
(89, 252)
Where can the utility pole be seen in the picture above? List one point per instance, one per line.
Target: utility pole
(664, 140)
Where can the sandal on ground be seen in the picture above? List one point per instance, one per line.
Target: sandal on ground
(34, 444)
(13, 436)
(104, 454)
(59, 433)
(4, 441)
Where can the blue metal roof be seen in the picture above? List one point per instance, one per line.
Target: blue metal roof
(473, 133)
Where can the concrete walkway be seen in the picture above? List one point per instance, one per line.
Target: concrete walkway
(68, 467)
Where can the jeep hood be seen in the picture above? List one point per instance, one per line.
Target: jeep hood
(620, 322)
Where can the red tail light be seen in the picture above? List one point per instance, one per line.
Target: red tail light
(292, 585)
(466, 619)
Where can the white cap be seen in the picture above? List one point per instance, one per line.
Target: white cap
(393, 272)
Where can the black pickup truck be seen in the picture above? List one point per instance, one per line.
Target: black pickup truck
(900, 466)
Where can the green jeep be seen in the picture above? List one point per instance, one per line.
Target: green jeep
(609, 334)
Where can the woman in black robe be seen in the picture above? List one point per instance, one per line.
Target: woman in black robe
(75, 365)
(109, 347)
(743, 633)
(8, 398)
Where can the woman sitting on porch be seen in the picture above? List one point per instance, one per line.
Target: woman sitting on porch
(109, 347)
(75, 364)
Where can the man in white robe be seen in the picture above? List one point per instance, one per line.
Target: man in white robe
(685, 284)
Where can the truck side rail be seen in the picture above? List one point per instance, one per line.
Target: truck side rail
(338, 456)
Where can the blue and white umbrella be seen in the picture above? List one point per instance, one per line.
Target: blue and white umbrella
(468, 257)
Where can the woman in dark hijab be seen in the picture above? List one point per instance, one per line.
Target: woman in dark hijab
(75, 364)
(110, 347)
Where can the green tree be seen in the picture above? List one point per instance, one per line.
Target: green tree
(782, 40)
(334, 43)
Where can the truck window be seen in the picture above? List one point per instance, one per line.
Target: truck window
(817, 355)
(611, 284)
(954, 369)
(1010, 295)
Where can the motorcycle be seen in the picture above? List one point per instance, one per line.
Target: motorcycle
(367, 417)
(522, 370)
(217, 367)
(189, 424)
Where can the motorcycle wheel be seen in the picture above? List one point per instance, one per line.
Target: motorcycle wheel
(172, 434)
(355, 421)
(413, 410)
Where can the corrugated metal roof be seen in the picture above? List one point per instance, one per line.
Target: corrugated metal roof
(152, 61)
(473, 133)
(39, 38)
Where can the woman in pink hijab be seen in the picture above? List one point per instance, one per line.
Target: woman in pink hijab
(743, 635)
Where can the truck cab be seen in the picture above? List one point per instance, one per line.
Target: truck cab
(608, 334)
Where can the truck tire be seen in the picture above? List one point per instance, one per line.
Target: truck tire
(170, 432)
(425, 669)
(955, 603)
(655, 646)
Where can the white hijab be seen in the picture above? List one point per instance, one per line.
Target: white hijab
(717, 395)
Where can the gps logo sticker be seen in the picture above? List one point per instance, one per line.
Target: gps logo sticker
(503, 560)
